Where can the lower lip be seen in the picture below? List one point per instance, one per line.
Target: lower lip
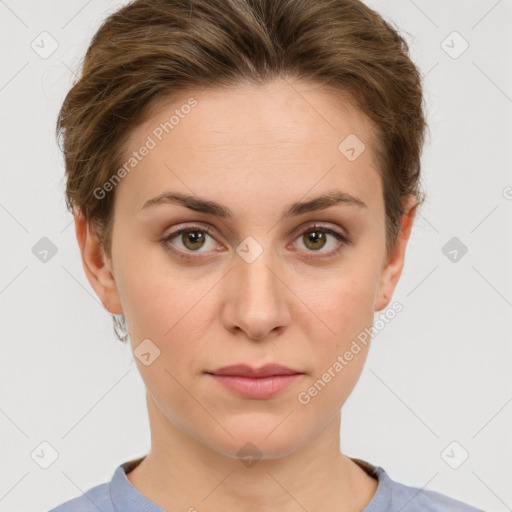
(262, 387)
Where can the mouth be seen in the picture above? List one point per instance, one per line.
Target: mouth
(244, 370)
(255, 383)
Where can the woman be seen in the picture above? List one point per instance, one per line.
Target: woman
(244, 175)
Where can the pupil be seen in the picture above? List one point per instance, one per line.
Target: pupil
(193, 237)
(315, 236)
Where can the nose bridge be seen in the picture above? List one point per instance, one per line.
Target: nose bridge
(259, 302)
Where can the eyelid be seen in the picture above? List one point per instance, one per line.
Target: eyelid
(343, 239)
(189, 256)
(189, 227)
(319, 225)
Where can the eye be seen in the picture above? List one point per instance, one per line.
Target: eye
(194, 239)
(189, 240)
(315, 238)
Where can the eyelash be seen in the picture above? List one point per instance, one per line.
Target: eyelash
(342, 239)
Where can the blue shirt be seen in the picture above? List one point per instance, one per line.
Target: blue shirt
(119, 495)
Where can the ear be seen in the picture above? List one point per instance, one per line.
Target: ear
(98, 268)
(395, 261)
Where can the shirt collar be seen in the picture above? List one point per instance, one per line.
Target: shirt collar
(382, 499)
(126, 497)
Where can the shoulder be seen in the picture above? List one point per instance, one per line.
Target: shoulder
(118, 494)
(407, 498)
(393, 496)
(96, 498)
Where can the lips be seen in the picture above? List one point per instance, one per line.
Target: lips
(243, 370)
(255, 383)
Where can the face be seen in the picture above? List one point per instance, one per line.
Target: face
(257, 278)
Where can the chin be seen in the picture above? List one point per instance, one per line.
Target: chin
(254, 438)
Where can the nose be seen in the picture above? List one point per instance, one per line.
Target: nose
(257, 297)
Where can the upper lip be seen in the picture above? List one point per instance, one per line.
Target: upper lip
(245, 370)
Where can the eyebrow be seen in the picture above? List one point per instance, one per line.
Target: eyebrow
(213, 208)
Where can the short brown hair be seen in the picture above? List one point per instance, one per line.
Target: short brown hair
(149, 50)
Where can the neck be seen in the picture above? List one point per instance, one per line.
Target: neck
(181, 472)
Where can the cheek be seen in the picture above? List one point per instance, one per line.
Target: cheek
(161, 299)
(338, 332)
(169, 386)
(174, 312)
(338, 306)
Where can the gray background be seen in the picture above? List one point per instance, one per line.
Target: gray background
(438, 373)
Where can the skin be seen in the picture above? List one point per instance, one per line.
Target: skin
(293, 305)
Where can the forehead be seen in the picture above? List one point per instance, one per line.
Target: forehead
(286, 134)
(280, 111)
